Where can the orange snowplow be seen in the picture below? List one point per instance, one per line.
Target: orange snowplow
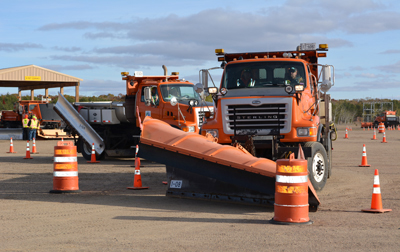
(198, 167)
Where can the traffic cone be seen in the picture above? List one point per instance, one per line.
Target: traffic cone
(137, 180)
(93, 156)
(363, 128)
(347, 135)
(364, 162)
(376, 202)
(11, 147)
(384, 138)
(374, 137)
(368, 128)
(28, 153)
(34, 147)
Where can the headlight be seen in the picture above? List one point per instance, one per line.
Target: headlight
(306, 132)
(193, 103)
(212, 90)
(213, 132)
(299, 88)
(188, 128)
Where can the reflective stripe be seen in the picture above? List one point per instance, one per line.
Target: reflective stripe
(291, 179)
(377, 190)
(291, 189)
(291, 205)
(376, 180)
(291, 169)
(65, 159)
(65, 174)
(364, 154)
(137, 172)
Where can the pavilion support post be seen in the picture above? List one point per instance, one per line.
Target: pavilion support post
(46, 93)
(62, 90)
(77, 92)
(19, 95)
(32, 95)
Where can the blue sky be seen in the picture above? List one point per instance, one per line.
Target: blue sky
(96, 40)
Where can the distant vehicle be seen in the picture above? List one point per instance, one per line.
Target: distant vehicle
(44, 112)
(388, 118)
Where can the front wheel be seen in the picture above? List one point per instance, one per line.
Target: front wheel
(317, 165)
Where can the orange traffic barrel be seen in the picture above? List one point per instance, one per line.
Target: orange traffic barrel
(65, 174)
(381, 128)
(291, 192)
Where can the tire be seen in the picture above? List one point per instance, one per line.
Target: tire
(87, 151)
(318, 166)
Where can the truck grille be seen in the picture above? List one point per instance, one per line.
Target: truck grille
(263, 119)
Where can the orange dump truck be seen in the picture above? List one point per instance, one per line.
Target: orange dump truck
(272, 102)
(388, 118)
(114, 127)
(43, 110)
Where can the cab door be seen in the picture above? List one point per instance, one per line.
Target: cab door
(154, 109)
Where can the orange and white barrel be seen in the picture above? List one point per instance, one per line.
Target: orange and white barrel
(291, 192)
(65, 174)
(381, 128)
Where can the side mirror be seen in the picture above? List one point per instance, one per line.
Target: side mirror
(327, 81)
(147, 96)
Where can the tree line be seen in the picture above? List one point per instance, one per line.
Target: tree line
(7, 101)
(343, 111)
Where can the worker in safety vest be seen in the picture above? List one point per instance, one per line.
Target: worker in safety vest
(25, 132)
(33, 127)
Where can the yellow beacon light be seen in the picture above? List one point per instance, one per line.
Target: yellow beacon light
(323, 46)
(219, 51)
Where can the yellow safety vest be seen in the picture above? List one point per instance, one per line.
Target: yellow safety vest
(25, 123)
(34, 124)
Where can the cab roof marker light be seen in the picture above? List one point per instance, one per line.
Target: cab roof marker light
(219, 51)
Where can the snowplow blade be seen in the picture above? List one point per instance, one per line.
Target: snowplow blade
(200, 168)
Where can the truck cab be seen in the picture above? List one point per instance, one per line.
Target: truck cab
(271, 102)
(171, 100)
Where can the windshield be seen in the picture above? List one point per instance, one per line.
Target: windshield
(263, 74)
(181, 92)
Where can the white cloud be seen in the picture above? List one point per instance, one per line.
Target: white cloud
(393, 68)
(13, 47)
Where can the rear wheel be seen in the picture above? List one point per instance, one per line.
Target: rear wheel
(87, 151)
(317, 165)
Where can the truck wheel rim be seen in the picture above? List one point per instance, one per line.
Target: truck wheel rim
(87, 149)
(318, 167)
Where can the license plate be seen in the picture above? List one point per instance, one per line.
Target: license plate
(175, 184)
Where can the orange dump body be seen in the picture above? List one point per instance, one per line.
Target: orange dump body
(199, 167)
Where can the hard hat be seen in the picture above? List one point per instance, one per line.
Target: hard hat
(26, 116)
(34, 117)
